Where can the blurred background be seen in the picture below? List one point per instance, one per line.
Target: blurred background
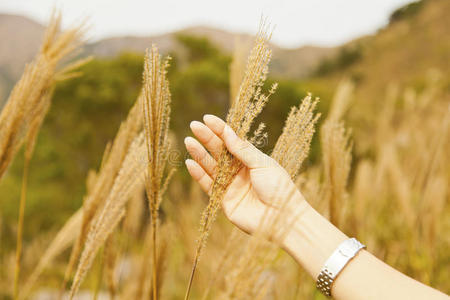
(392, 53)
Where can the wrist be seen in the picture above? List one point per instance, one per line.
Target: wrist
(311, 239)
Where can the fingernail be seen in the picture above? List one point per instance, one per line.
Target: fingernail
(209, 117)
(186, 140)
(188, 161)
(195, 124)
(232, 136)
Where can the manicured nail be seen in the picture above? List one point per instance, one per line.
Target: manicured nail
(231, 135)
(209, 117)
(195, 124)
(186, 140)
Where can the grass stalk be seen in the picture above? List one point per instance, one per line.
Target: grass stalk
(23, 195)
(156, 112)
(247, 106)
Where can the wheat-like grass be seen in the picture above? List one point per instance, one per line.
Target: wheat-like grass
(100, 185)
(237, 69)
(341, 100)
(110, 253)
(156, 111)
(336, 147)
(128, 179)
(246, 280)
(293, 145)
(246, 107)
(336, 153)
(28, 104)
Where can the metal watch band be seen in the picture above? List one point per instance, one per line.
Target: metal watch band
(335, 263)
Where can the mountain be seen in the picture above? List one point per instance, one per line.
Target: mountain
(413, 48)
(293, 63)
(22, 36)
(410, 55)
(20, 40)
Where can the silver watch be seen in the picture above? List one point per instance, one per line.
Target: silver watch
(335, 263)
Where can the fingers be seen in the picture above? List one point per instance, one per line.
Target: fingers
(248, 154)
(200, 155)
(207, 138)
(199, 175)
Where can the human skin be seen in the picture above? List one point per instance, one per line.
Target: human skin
(258, 189)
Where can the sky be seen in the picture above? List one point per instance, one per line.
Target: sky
(297, 22)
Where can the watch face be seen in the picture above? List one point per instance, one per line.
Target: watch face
(348, 248)
(345, 252)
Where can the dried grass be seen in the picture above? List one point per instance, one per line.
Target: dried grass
(29, 101)
(156, 110)
(131, 173)
(28, 104)
(99, 185)
(247, 106)
(293, 145)
(337, 157)
(249, 277)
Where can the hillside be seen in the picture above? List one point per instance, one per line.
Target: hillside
(291, 63)
(23, 37)
(411, 51)
(405, 52)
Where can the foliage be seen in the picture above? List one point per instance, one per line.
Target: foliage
(406, 11)
(347, 56)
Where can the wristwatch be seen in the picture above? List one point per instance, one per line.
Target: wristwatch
(336, 263)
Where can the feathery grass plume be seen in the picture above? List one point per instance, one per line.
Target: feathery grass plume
(237, 70)
(101, 183)
(362, 195)
(110, 253)
(156, 111)
(341, 100)
(135, 214)
(247, 106)
(336, 152)
(336, 147)
(128, 179)
(28, 103)
(64, 238)
(293, 145)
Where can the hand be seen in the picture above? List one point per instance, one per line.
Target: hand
(261, 188)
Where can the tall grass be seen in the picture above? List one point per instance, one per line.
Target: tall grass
(101, 183)
(127, 180)
(156, 109)
(28, 104)
(245, 277)
(395, 200)
(246, 107)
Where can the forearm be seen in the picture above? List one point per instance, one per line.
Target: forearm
(313, 239)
